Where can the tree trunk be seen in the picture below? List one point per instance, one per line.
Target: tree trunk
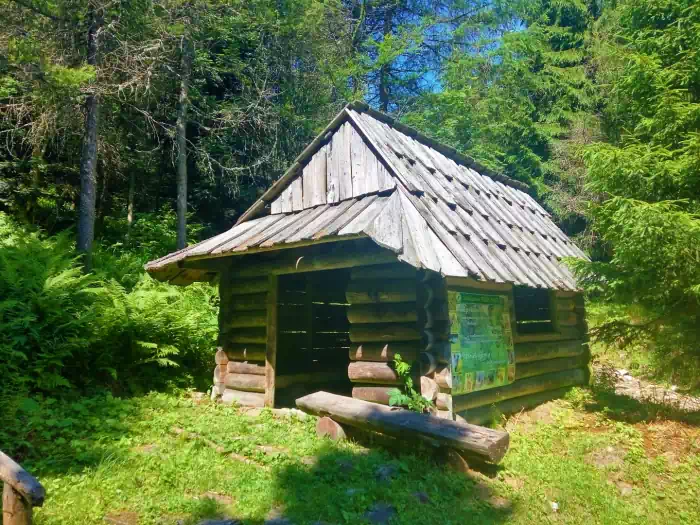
(130, 204)
(181, 126)
(384, 68)
(88, 159)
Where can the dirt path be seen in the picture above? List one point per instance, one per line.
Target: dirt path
(643, 390)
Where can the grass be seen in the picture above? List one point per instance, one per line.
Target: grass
(105, 458)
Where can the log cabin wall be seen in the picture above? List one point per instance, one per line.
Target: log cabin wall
(240, 359)
(547, 364)
(383, 316)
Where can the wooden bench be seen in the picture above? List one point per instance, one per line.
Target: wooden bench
(20, 494)
(472, 440)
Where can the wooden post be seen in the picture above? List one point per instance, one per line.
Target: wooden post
(20, 493)
(15, 510)
(271, 351)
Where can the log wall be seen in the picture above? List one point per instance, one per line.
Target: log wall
(547, 364)
(239, 375)
(383, 317)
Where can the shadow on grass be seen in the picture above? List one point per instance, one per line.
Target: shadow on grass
(381, 485)
(630, 410)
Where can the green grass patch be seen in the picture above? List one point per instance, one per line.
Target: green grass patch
(106, 457)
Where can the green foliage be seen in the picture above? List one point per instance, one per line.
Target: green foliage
(409, 398)
(649, 220)
(63, 329)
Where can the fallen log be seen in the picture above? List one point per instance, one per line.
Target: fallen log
(481, 442)
(21, 492)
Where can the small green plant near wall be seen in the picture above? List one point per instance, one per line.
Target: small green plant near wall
(409, 398)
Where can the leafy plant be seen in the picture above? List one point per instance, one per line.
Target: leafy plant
(409, 398)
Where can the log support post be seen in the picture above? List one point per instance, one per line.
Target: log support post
(271, 350)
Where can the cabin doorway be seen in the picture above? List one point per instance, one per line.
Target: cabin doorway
(313, 339)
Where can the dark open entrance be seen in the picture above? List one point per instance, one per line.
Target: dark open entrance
(313, 335)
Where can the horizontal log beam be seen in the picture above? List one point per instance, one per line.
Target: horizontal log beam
(373, 393)
(537, 368)
(245, 352)
(238, 286)
(489, 413)
(237, 367)
(244, 303)
(383, 333)
(372, 372)
(246, 336)
(247, 399)
(383, 271)
(385, 352)
(245, 382)
(485, 443)
(528, 352)
(522, 387)
(381, 291)
(312, 261)
(565, 333)
(321, 376)
(254, 319)
(383, 313)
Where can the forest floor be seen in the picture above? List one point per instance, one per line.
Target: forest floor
(167, 460)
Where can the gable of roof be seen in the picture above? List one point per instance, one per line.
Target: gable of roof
(366, 175)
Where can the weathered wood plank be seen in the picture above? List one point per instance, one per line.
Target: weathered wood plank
(15, 510)
(318, 182)
(483, 442)
(520, 388)
(384, 332)
(344, 161)
(271, 341)
(381, 291)
(359, 166)
(373, 372)
(333, 170)
(297, 194)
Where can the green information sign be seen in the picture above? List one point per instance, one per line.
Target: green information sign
(481, 342)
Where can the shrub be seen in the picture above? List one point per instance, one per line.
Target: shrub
(65, 330)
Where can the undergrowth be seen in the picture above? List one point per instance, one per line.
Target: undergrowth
(65, 332)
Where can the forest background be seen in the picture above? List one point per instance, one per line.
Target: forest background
(129, 128)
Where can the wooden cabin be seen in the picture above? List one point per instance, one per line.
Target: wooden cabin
(378, 241)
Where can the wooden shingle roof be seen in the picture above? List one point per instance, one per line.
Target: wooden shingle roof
(368, 176)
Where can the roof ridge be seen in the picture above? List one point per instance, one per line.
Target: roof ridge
(446, 150)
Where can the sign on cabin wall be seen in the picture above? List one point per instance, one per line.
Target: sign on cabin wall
(481, 342)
